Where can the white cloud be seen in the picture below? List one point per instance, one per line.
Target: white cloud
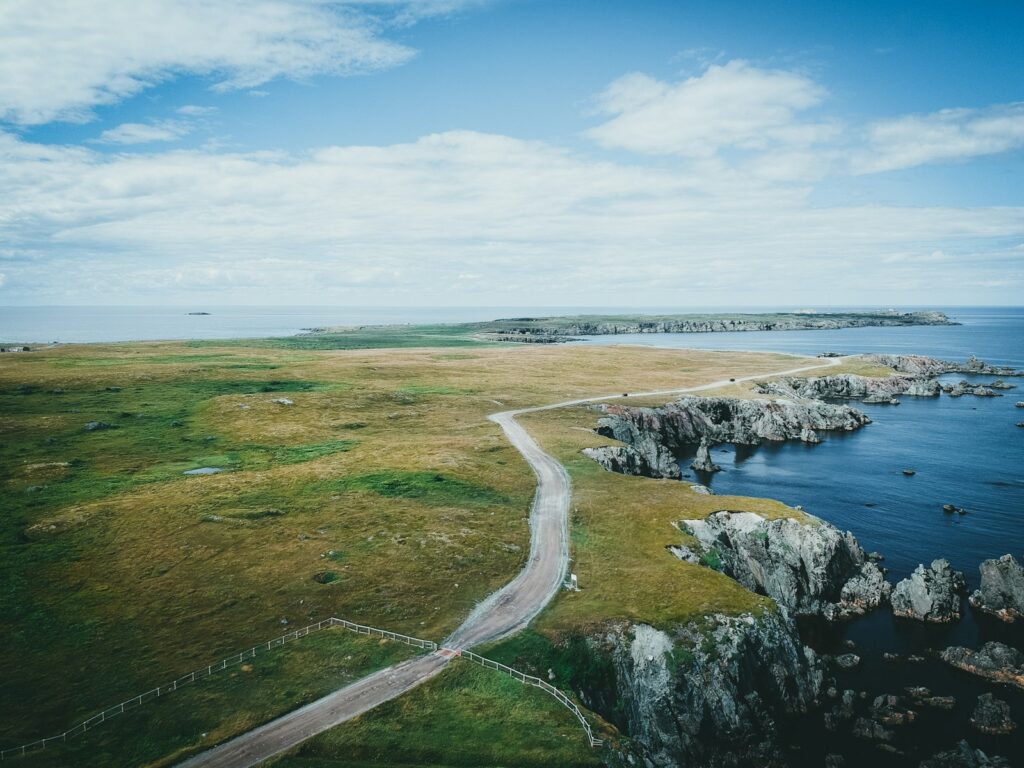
(949, 135)
(732, 105)
(514, 221)
(61, 58)
(141, 133)
(194, 110)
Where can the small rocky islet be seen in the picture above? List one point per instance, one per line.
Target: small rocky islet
(811, 570)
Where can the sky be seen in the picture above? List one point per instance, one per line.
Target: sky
(511, 152)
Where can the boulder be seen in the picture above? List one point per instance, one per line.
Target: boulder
(992, 715)
(97, 426)
(993, 661)
(1002, 588)
(930, 594)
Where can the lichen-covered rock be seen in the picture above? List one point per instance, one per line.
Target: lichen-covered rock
(992, 715)
(919, 365)
(930, 594)
(1002, 588)
(964, 756)
(691, 420)
(994, 661)
(850, 386)
(629, 461)
(808, 568)
(711, 693)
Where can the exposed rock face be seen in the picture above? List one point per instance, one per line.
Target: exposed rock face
(702, 461)
(1002, 588)
(992, 715)
(712, 693)
(655, 462)
(849, 386)
(919, 365)
(965, 387)
(964, 756)
(930, 594)
(810, 569)
(691, 420)
(993, 660)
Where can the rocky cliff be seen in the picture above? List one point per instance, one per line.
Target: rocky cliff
(691, 420)
(930, 594)
(712, 693)
(919, 365)
(808, 568)
(1002, 588)
(849, 386)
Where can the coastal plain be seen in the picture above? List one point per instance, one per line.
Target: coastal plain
(363, 484)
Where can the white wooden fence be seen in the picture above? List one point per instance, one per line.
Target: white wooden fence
(208, 670)
(536, 681)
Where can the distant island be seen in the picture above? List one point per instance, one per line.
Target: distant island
(552, 330)
(532, 329)
(199, 313)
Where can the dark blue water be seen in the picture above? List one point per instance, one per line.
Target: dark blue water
(966, 451)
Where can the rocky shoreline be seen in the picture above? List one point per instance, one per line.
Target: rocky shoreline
(699, 712)
(532, 329)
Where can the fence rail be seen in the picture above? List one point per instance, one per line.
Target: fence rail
(210, 669)
(537, 682)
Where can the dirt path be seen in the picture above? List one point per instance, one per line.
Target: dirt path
(505, 612)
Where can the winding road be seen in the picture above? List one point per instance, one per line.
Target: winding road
(503, 613)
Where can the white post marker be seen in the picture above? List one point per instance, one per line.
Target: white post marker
(575, 583)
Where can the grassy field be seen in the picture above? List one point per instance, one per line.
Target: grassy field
(467, 717)
(382, 495)
(164, 731)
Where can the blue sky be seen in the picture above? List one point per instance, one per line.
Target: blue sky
(456, 152)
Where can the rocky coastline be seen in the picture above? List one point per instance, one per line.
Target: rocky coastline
(686, 691)
(527, 329)
(653, 437)
(713, 692)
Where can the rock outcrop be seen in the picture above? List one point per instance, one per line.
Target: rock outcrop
(994, 660)
(930, 594)
(654, 462)
(1002, 588)
(992, 715)
(692, 420)
(702, 461)
(808, 568)
(964, 387)
(712, 693)
(919, 365)
(964, 756)
(849, 386)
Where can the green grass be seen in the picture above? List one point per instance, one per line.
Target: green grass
(467, 717)
(370, 337)
(199, 715)
(431, 488)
